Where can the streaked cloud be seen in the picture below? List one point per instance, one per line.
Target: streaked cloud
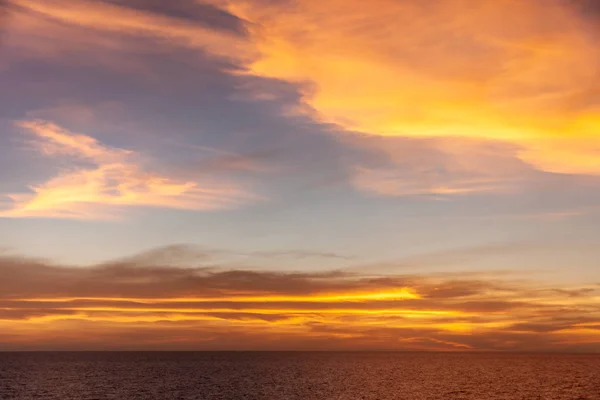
(199, 304)
(99, 180)
(116, 35)
(120, 19)
(197, 12)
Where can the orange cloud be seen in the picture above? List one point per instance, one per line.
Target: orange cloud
(176, 307)
(443, 69)
(102, 179)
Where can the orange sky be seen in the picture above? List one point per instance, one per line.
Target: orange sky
(387, 174)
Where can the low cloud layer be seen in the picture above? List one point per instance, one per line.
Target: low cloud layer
(206, 307)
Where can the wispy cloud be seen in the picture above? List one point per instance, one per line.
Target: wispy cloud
(345, 310)
(114, 35)
(100, 180)
(117, 18)
(188, 255)
(436, 167)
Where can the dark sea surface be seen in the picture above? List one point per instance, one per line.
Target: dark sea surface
(298, 375)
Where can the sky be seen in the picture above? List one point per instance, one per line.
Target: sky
(300, 175)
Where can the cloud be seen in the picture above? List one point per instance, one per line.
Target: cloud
(106, 16)
(498, 109)
(189, 255)
(436, 167)
(469, 255)
(100, 180)
(204, 306)
(193, 11)
(115, 34)
(300, 254)
(3, 19)
(446, 69)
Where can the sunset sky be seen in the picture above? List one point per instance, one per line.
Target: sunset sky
(300, 174)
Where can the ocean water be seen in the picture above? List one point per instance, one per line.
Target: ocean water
(298, 375)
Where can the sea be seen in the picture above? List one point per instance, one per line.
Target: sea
(298, 375)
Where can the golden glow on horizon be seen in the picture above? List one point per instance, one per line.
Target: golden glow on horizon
(352, 316)
(347, 317)
(340, 311)
(399, 294)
